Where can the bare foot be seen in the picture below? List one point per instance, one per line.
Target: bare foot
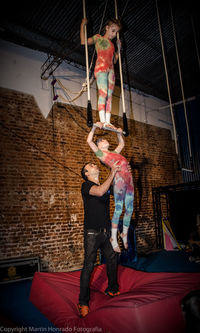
(109, 125)
(125, 241)
(99, 124)
(115, 246)
(117, 249)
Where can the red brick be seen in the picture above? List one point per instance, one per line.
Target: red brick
(41, 160)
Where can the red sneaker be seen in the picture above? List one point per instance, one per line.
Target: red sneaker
(83, 310)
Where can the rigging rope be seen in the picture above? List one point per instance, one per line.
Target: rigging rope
(78, 94)
(88, 82)
(84, 85)
(181, 83)
(167, 77)
(125, 124)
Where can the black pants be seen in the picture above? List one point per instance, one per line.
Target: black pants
(92, 242)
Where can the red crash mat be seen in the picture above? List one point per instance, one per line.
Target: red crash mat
(149, 302)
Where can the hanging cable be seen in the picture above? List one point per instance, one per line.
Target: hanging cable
(181, 83)
(100, 28)
(89, 106)
(125, 124)
(84, 85)
(124, 9)
(195, 40)
(167, 78)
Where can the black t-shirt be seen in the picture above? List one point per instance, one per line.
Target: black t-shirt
(96, 209)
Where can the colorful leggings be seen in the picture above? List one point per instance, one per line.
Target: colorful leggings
(123, 194)
(105, 84)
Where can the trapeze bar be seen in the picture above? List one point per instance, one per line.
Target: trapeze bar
(108, 129)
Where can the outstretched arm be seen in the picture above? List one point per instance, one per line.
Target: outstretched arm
(120, 141)
(90, 141)
(82, 33)
(103, 188)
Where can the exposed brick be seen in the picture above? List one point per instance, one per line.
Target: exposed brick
(41, 159)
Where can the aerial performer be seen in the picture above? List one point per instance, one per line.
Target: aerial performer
(123, 187)
(104, 67)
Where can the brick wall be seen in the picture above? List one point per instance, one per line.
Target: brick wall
(41, 159)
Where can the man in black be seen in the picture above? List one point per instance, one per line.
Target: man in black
(96, 199)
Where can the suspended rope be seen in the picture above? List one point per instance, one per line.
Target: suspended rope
(124, 9)
(84, 85)
(125, 124)
(167, 78)
(88, 81)
(78, 94)
(195, 41)
(73, 106)
(89, 106)
(181, 83)
(100, 28)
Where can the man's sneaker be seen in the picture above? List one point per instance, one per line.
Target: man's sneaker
(112, 293)
(83, 310)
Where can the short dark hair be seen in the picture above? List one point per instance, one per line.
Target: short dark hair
(83, 171)
(98, 140)
(115, 21)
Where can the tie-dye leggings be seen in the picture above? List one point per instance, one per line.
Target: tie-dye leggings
(124, 195)
(105, 84)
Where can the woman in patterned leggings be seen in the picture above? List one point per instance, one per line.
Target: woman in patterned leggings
(123, 187)
(104, 68)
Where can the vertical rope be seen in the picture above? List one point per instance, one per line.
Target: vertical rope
(89, 106)
(167, 78)
(101, 24)
(125, 123)
(181, 82)
(120, 65)
(195, 40)
(86, 52)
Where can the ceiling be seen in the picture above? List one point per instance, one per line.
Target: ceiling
(53, 27)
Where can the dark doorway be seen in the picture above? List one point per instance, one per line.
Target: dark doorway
(179, 205)
(184, 207)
